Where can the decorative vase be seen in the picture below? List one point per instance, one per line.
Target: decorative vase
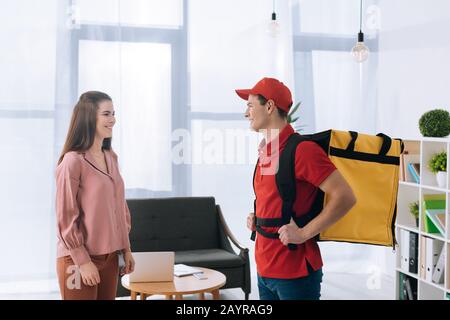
(441, 178)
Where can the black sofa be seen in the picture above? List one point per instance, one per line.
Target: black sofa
(195, 229)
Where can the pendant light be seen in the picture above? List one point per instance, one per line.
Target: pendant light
(273, 29)
(360, 52)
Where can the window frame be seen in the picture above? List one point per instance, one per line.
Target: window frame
(177, 39)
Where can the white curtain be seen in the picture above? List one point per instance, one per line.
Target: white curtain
(338, 93)
(27, 110)
(52, 51)
(231, 47)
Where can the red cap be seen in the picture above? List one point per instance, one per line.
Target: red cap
(271, 89)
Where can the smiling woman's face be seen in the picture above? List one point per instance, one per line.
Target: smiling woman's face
(105, 119)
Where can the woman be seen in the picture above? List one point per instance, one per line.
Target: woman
(92, 215)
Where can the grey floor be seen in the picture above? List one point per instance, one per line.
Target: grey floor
(335, 286)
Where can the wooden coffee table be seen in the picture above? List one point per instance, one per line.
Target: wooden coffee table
(179, 286)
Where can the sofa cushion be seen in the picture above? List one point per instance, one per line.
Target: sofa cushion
(209, 258)
(173, 224)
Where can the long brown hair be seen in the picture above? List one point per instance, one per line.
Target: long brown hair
(81, 134)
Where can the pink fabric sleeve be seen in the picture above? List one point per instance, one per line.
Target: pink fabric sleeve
(127, 210)
(67, 211)
(128, 220)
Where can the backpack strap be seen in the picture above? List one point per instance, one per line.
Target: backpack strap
(286, 185)
(253, 235)
(285, 179)
(286, 182)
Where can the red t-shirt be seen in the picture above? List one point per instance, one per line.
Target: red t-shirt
(312, 167)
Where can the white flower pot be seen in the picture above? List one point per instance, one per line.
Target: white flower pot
(441, 178)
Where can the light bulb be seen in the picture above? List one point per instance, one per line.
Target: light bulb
(360, 52)
(273, 29)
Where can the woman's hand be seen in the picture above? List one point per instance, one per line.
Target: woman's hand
(89, 274)
(129, 263)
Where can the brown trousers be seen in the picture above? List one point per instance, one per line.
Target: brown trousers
(72, 287)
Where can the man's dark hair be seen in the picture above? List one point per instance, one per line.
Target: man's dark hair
(283, 114)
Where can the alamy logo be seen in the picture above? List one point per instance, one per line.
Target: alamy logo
(225, 147)
(74, 280)
(73, 17)
(374, 279)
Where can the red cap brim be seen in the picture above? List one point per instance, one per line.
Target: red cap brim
(243, 93)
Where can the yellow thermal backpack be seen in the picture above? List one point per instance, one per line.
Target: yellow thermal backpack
(370, 165)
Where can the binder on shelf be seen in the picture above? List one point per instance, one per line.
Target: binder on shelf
(404, 250)
(438, 273)
(422, 256)
(433, 249)
(411, 288)
(413, 250)
(402, 295)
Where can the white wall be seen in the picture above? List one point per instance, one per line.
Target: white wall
(413, 68)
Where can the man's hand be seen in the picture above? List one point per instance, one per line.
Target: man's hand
(251, 221)
(291, 233)
(89, 274)
(129, 263)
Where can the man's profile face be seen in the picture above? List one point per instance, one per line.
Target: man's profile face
(256, 113)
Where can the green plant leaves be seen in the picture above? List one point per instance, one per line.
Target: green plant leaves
(435, 123)
(438, 162)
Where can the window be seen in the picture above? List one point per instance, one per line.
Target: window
(327, 81)
(136, 52)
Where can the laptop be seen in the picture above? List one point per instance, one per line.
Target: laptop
(153, 266)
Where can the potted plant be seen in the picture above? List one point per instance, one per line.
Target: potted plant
(414, 209)
(438, 165)
(292, 118)
(435, 123)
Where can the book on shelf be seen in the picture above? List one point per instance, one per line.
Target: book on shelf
(411, 173)
(401, 169)
(432, 202)
(414, 171)
(436, 217)
(411, 150)
(416, 167)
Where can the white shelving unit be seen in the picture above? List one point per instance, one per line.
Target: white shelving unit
(410, 191)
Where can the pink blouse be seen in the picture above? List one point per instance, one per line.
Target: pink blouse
(91, 212)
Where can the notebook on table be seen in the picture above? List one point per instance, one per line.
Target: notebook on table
(181, 270)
